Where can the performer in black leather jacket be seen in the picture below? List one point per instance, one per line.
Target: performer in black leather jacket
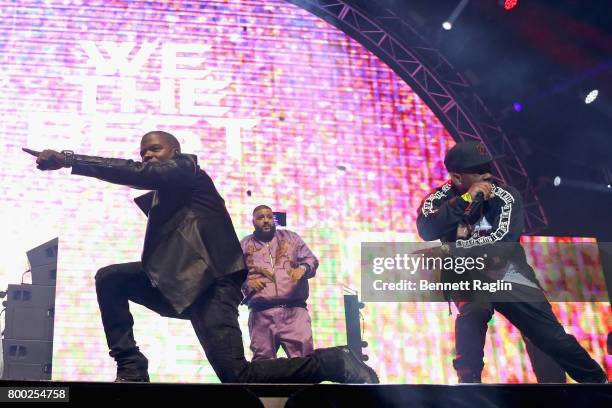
(192, 267)
(474, 217)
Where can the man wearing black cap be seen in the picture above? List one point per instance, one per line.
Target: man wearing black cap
(474, 217)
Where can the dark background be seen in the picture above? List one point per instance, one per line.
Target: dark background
(544, 55)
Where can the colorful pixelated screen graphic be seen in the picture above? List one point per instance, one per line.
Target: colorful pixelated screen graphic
(274, 101)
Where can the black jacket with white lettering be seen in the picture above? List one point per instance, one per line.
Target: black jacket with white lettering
(495, 226)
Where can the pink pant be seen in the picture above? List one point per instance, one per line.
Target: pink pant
(288, 327)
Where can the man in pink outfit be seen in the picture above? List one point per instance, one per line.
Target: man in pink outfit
(276, 289)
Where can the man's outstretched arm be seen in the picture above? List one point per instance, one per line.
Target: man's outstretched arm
(176, 172)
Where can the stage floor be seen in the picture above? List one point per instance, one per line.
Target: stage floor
(319, 395)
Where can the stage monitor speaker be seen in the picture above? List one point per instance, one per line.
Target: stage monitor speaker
(27, 359)
(30, 312)
(29, 324)
(31, 296)
(43, 263)
(353, 329)
(44, 275)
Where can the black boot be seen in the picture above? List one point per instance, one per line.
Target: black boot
(340, 364)
(132, 366)
(467, 376)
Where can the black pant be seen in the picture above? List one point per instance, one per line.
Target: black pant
(544, 367)
(534, 319)
(214, 317)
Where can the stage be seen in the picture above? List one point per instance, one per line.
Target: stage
(331, 395)
(340, 117)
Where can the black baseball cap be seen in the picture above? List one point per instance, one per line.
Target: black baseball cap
(468, 157)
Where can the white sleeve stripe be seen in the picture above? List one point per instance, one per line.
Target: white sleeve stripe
(427, 207)
(503, 227)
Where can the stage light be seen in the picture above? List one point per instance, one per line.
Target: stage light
(510, 4)
(588, 185)
(517, 106)
(448, 24)
(591, 96)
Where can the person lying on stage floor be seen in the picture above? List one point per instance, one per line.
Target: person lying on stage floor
(192, 267)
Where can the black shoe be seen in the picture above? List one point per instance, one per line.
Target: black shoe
(340, 364)
(132, 367)
(140, 377)
(468, 378)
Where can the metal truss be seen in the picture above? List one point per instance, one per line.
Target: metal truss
(447, 93)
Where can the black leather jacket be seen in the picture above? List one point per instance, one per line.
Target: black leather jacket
(190, 239)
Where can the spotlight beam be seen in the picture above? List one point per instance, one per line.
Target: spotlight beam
(448, 23)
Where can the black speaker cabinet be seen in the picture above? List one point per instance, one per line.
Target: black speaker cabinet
(43, 263)
(27, 359)
(30, 312)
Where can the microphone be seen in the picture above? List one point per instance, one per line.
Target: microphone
(474, 205)
(480, 195)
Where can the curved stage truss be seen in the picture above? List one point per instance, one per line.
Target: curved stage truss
(448, 94)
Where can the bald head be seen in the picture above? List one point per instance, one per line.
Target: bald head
(261, 207)
(167, 137)
(158, 146)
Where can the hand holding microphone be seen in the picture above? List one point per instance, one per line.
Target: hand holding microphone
(480, 191)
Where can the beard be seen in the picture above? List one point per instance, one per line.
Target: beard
(265, 236)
